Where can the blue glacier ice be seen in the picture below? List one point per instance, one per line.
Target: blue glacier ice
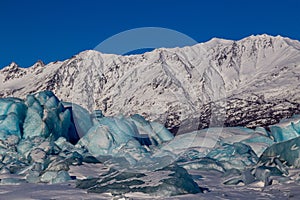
(155, 132)
(47, 116)
(81, 118)
(234, 156)
(34, 125)
(259, 142)
(287, 152)
(129, 141)
(274, 162)
(115, 135)
(41, 138)
(12, 114)
(286, 129)
(162, 133)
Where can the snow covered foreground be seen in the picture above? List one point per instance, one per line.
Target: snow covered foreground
(52, 149)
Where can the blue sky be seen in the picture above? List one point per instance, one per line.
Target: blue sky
(52, 30)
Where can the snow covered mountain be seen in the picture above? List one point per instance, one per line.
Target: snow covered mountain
(251, 82)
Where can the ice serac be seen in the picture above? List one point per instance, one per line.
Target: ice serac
(156, 132)
(221, 149)
(47, 116)
(287, 152)
(278, 157)
(286, 129)
(273, 164)
(127, 137)
(162, 132)
(12, 114)
(234, 156)
(81, 118)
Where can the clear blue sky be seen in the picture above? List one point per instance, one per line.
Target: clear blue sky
(57, 29)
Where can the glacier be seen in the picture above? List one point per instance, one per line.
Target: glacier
(42, 139)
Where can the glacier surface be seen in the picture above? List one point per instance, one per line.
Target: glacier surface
(42, 138)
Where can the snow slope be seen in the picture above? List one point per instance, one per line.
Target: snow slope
(251, 82)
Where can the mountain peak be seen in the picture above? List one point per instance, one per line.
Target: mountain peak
(39, 63)
(12, 71)
(269, 37)
(283, 41)
(11, 67)
(91, 53)
(263, 36)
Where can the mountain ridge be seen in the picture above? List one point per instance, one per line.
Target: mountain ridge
(212, 39)
(174, 85)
